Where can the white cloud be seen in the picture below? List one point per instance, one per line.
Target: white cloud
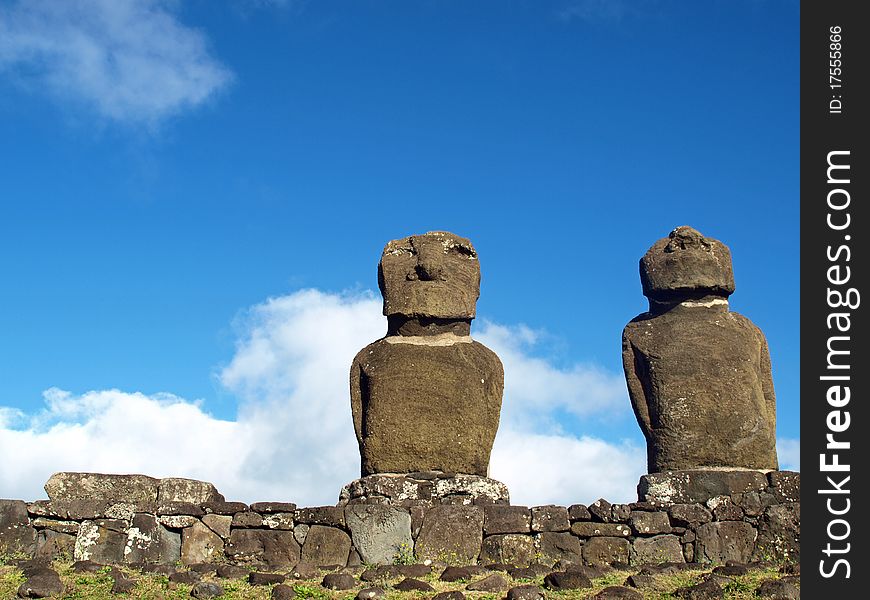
(789, 453)
(293, 437)
(129, 60)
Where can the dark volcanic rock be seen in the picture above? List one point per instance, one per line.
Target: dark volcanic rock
(779, 590)
(231, 572)
(185, 577)
(372, 593)
(451, 595)
(618, 592)
(414, 585)
(566, 580)
(466, 573)
(509, 548)
(455, 532)
(42, 584)
(16, 534)
(326, 546)
(433, 396)
(494, 583)
(525, 592)
(206, 590)
(706, 590)
(380, 533)
(339, 581)
(699, 376)
(282, 591)
(274, 549)
(553, 547)
(506, 519)
(257, 578)
(606, 551)
(722, 541)
(550, 518)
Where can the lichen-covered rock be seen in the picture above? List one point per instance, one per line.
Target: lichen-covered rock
(785, 485)
(16, 534)
(102, 541)
(199, 544)
(721, 541)
(698, 485)
(599, 551)
(699, 376)
(179, 489)
(689, 515)
(427, 397)
(509, 548)
(331, 516)
(552, 547)
(584, 530)
(657, 549)
(148, 541)
(779, 533)
(100, 486)
(220, 524)
(649, 523)
(550, 518)
(262, 547)
(326, 546)
(380, 533)
(451, 534)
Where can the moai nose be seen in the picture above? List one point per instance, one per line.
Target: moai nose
(430, 262)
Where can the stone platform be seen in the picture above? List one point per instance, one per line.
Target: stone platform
(429, 488)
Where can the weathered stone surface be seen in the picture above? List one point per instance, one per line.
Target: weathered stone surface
(42, 584)
(451, 534)
(273, 549)
(282, 591)
(185, 577)
(506, 519)
(179, 489)
(779, 533)
(200, 544)
(650, 523)
(550, 518)
(300, 532)
(689, 515)
(177, 521)
(450, 595)
(380, 533)
(525, 592)
(231, 572)
(99, 486)
(278, 520)
(326, 546)
(273, 507)
(101, 541)
(786, 485)
(223, 508)
(413, 585)
(566, 580)
(178, 509)
(557, 546)
(509, 548)
(721, 541)
(54, 544)
(427, 397)
(606, 550)
(258, 578)
(585, 530)
(461, 573)
(150, 542)
(220, 524)
(601, 511)
(724, 509)
(247, 520)
(16, 534)
(618, 592)
(698, 485)
(621, 512)
(206, 589)
(579, 512)
(494, 583)
(376, 593)
(430, 407)
(706, 590)
(331, 516)
(699, 376)
(657, 549)
(779, 590)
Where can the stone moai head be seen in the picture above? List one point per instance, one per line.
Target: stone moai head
(434, 275)
(684, 265)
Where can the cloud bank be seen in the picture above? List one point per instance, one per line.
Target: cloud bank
(128, 60)
(293, 437)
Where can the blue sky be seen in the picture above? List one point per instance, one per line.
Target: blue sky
(168, 167)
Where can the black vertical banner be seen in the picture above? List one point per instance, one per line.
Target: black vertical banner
(835, 371)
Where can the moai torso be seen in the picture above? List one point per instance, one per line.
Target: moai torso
(699, 376)
(427, 397)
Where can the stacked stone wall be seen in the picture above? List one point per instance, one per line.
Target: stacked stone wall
(681, 517)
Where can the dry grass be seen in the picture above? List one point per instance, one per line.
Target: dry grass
(97, 586)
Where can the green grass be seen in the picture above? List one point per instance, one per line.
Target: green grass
(97, 586)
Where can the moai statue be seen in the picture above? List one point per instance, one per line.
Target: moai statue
(698, 375)
(427, 397)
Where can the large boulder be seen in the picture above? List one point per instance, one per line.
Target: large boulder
(101, 486)
(698, 485)
(102, 541)
(16, 534)
(148, 541)
(326, 546)
(721, 541)
(451, 534)
(200, 544)
(380, 533)
(261, 547)
(178, 489)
